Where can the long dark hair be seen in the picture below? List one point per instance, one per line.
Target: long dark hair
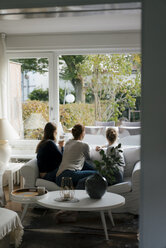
(49, 130)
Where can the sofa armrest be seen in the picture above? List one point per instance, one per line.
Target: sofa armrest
(136, 176)
(30, 173)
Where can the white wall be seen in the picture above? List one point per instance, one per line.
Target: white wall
(116, 42)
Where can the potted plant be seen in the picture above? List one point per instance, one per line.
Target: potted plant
(108, 166)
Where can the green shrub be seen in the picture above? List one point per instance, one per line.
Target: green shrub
(39, 94)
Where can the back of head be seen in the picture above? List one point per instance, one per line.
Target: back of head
(77, 130)
(111, 135)
(49, 130)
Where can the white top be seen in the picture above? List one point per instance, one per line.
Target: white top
(74, 155)
(85, 203)
(121, 160)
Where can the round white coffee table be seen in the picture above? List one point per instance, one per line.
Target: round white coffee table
(85, 203)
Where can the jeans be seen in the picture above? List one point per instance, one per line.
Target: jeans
(75, 175)
(118, 178)
(87, 166)
(51, 176)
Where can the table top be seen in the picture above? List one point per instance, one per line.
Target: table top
(85, 203)
(26, 195)
(13, 167)
(23, 155)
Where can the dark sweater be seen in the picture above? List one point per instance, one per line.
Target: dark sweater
(48, 157)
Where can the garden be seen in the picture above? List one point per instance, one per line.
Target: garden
(105, 88)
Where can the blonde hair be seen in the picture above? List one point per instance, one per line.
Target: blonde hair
(111, 135)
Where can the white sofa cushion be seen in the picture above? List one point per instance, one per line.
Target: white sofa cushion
(136, 176)
(50, 186)
(132, 155)
(121, 188)
(131, 140)
(31, 172)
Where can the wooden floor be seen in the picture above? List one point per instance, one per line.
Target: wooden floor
(10, 204)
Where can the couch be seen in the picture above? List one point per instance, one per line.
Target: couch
(129, 188)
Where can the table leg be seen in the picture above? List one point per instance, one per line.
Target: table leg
(2, 195)
(14, 177)
(104, 224)
(21, 182)
(10, 182)
(18, 177)
(111, 218)
(24, 211)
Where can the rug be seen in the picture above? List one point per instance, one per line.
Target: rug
(42, 230)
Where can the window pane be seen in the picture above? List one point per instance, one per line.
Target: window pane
(28, 93)
(99, 88)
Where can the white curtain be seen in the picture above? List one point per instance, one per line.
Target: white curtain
(3, 76)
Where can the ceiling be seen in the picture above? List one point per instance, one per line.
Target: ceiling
(101, 18)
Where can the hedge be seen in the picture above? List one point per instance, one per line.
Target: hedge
(70, 114)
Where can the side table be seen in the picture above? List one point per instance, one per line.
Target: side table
(10, 170)
(27, 197)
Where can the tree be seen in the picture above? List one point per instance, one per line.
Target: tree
(69, 71)
(35, 64)
(42, 95)
(109, 78)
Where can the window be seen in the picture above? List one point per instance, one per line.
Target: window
(28, 91)
(98, 87)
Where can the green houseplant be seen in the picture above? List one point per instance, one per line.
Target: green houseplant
(108, 166)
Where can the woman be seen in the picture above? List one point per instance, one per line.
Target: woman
(74, 156)
(111, 136)
(49, 156)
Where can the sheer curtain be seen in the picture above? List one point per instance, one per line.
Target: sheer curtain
(3, 106)
(3, 76)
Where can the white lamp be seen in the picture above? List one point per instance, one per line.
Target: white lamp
(70, 98)
(7, 132)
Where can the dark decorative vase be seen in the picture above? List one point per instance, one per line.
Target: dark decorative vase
(96, 186)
